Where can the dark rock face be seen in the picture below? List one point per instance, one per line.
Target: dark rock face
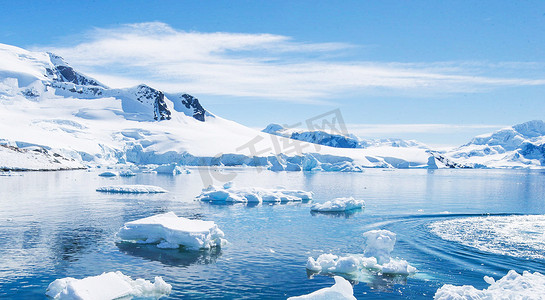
(191, 102)
(62, 72)
(148, 95)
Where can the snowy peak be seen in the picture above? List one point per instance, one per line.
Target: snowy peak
(518, 146)
(188, 105)
(36, 75)
(531, 129)
(338, 140)
(512, 137)
(154, 98)
(62, 72)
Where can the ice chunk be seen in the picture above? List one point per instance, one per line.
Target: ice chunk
(170, 231)
(132, 189)
(341, 290)
(379, 244)
(375, 259)
(127, 173)
(511, 286)
(112, 285)
(228, 193)
(171, 169)
(338, 205)
(107, 174)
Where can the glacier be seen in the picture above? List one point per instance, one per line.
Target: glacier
(108, 286)
(170, 231)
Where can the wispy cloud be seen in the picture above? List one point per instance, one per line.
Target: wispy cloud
(394, 129)
(257, 65)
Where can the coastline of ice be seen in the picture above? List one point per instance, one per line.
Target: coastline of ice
(512, 286)
(341, 290)
(229, 193)
(170, 231)
(375, 259)
(131, 189)
(338, 205)
(111, 285)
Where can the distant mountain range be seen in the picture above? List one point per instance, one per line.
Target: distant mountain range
(54, 117)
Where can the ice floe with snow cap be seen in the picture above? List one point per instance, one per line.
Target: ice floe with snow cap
(338, 205)
(132, 189)
(111, 285)
(375, 260)
(511, 286)
(341, 290)
(229, 193)
(170, 231)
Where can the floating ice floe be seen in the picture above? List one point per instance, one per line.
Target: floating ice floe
(341, 290)
(127, 173)
(171, 169)
(112, 285)
(511, 286)
(376, 258)
(228, 193)
(107, 174)
(338, 205)
(170, 231)
(132, 189)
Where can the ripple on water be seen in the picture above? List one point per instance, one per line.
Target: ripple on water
(517, 236)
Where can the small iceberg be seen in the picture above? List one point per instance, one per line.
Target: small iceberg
(341, 290)
(107, 174)
(131, 189)
(112, 285)
(375, 260)
(127, 173)
(338, 205)
(171, 169)
(511, 286)
(170, 231)
(228, 193)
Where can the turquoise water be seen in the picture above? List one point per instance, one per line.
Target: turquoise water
(55, 225)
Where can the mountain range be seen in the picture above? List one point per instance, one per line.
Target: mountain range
(54, 117)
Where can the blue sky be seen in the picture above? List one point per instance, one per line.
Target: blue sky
(428, 70)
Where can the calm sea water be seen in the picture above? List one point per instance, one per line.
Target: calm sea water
(54, 225)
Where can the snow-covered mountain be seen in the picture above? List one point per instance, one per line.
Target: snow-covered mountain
(73, 120)
(338, 140)
(519, 146)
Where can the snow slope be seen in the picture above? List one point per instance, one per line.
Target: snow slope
(44, 102)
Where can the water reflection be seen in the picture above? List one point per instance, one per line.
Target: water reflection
(337, 214)
(68, 243)
(170, 257)
(379, 282)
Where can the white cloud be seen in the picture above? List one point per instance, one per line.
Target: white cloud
(256, 65)
(392, 129)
